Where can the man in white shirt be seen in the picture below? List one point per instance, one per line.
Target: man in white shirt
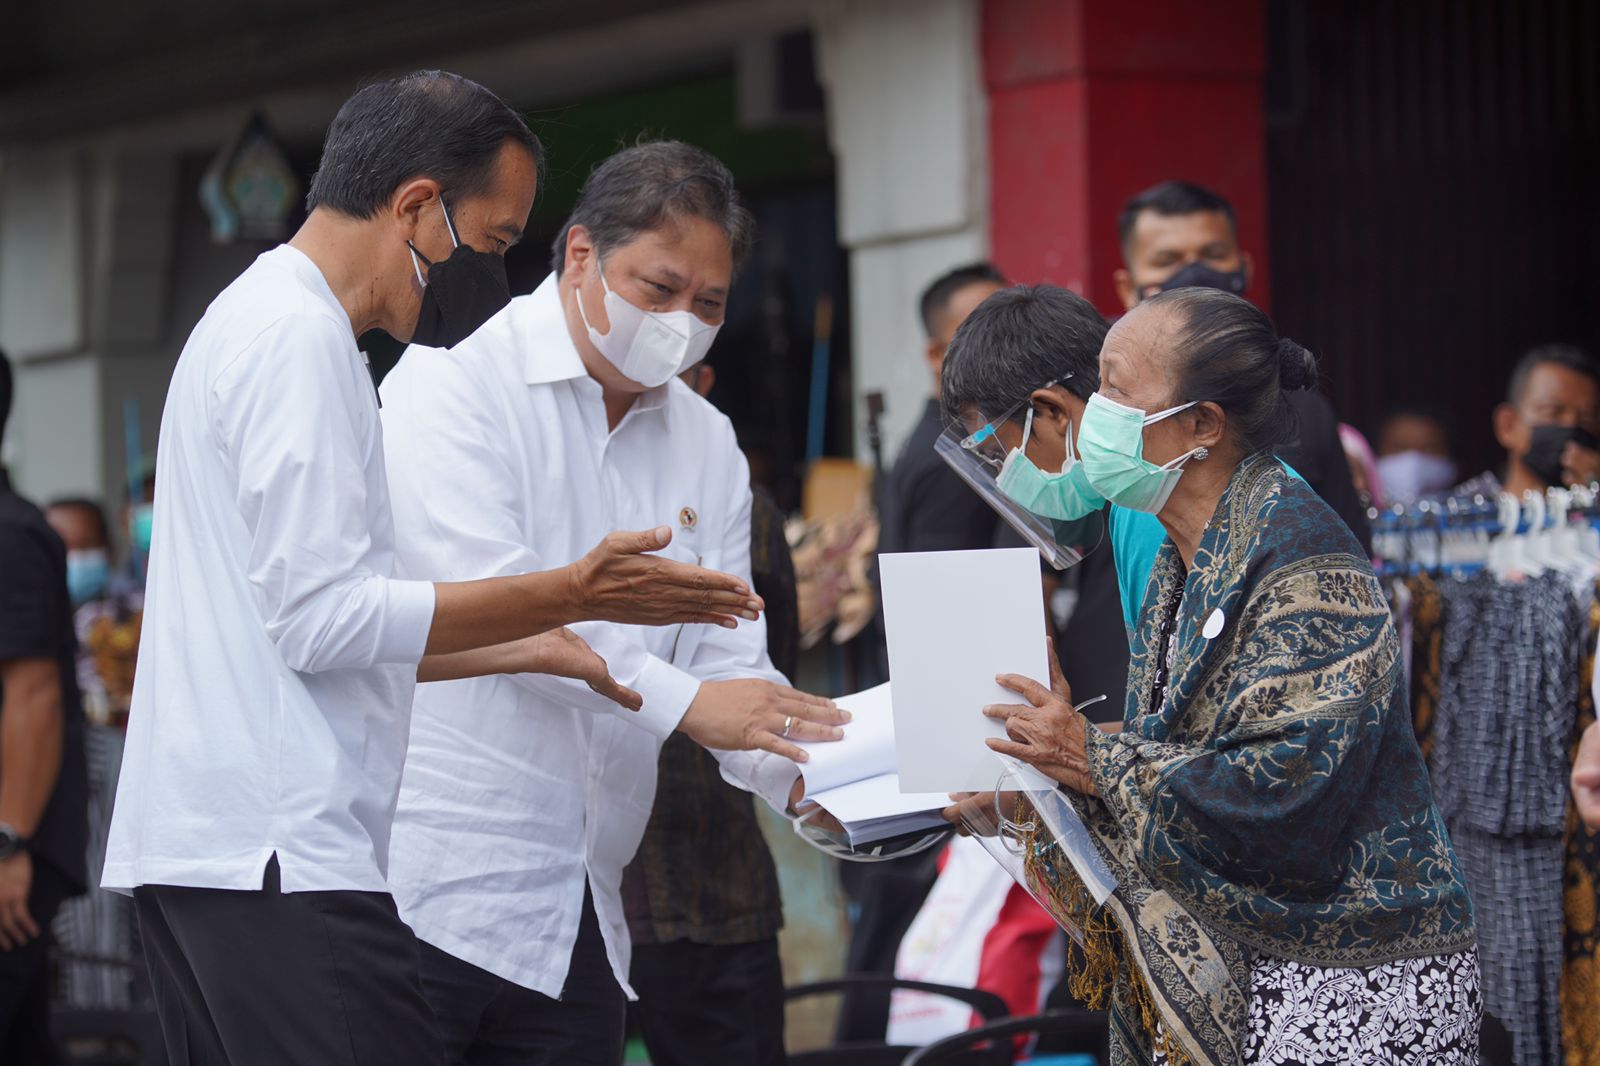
(280, 650)
(562, 416)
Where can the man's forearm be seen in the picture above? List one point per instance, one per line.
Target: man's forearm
(30, 741)
(470, 615)
(478, 662)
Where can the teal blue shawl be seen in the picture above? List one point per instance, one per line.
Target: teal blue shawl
(1275, 803)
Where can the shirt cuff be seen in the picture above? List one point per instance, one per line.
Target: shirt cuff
(769, 776)
(407, 621)
(667, 693)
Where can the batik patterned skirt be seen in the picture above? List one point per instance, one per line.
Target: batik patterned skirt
(1413, 1011)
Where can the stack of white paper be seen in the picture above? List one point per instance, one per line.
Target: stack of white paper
(855, 781)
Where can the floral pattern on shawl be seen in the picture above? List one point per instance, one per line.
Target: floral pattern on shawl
(1276, 802)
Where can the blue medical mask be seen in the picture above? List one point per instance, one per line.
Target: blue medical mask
(1065, 496)
(1112, 445)
(88, 570)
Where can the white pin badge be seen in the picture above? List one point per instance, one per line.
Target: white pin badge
(1214, 625)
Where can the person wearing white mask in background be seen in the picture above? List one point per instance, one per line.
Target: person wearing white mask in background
(563, 415)
(1414, 456)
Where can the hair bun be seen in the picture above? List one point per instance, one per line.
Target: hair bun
(1297, 368)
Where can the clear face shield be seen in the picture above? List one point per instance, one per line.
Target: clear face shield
(838, 846)
(1030, 828)
(979, 455)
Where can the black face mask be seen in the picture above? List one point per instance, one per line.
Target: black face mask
(460, 294)
(1198, 276)
(1543, 458)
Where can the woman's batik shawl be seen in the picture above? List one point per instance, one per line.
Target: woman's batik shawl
(1276, 802)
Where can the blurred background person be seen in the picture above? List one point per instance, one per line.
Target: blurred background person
(99, 953)
(1549, 424)
(43, 788)
(1414, 457)
(701, 896)
(107, 605)
(1363, 466)
(923, 506)
(1176, 235)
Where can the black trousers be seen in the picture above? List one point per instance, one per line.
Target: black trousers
(485, 1020)
(702, 1004)
(25, 977)
(276, 979)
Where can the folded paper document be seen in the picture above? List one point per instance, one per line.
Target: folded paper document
(854, 779)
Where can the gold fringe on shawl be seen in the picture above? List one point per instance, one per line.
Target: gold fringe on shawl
(1105, 951)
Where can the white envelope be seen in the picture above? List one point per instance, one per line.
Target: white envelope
(954, 621)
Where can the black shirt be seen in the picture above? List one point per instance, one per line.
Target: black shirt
(1318, 456)
(36, 623)
(926, 505)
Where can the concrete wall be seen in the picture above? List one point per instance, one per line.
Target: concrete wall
(906, 115)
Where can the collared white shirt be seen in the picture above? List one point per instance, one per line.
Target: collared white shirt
(279, 654)
(517, 789)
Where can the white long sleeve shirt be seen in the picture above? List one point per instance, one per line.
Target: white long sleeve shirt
(519, 788)
(278, 656)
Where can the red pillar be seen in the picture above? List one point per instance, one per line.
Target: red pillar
(1091, 101)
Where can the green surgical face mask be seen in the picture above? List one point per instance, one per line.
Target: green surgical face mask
(1112, 445)
(1066, 496)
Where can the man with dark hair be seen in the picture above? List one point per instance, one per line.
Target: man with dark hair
(925, 506)
(43, 780)
(561, 418)
(281, 648)
(1549, 424)
(1178, 234)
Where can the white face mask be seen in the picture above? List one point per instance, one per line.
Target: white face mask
(648, 347)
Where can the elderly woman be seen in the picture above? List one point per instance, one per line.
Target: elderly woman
(1287, 891)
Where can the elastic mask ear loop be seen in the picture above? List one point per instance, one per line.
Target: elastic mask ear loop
(449, 224)
(1198, 454)
(1027, 431)
(416, 255)
(1150, 420)
(1072, 452)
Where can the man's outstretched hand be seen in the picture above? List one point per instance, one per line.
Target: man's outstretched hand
(621, 580)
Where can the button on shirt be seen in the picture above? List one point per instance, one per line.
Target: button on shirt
(518, 788)
(278, 658)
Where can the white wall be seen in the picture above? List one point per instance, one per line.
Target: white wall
(86, 235)
(907, 119)
(52, 443)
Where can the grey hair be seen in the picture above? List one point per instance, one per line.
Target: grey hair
(1019, 340)
(648, 185)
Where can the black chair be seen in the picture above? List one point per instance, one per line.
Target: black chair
(986, 1005)
(1068, 1032)
(108, 1037)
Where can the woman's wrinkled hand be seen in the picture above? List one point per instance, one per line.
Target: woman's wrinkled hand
(1046, 733)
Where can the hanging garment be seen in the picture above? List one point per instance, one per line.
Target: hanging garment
(1502, 731)
(1427, 636)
